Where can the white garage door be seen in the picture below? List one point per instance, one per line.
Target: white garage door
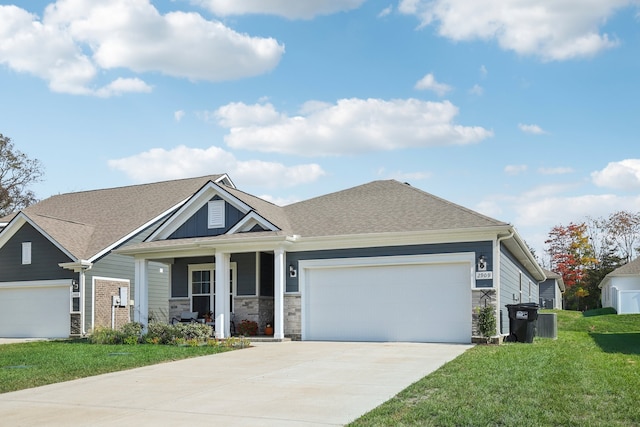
(387, 299)
(35, 309)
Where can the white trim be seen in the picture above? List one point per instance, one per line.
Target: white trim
(192, 205)
(37, 284)
(18, 221)
(249, 221)
(136, 231)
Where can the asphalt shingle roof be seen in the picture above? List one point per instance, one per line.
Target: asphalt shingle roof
(630, 269)
(87, 222)
(381, 207)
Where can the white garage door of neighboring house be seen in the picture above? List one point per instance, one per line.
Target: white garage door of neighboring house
(35, 309)
(405, 298)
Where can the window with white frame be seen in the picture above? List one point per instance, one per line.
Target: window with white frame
(26, 253)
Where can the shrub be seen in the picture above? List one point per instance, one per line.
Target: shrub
(248, 327)
(194, 331)
(161, 333)
(102, 335)
(486, 321)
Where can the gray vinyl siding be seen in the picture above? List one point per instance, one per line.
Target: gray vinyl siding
(548, 289)
(197, 225)
(480, 248)
(512, 276)
(117, 266)
(45, 257)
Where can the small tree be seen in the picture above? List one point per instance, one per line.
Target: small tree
(487, 321)
(17, 172)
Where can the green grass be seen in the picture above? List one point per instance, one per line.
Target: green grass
(34, 364)
(589, 376)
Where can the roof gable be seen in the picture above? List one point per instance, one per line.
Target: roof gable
(192, 219)
(88, 224)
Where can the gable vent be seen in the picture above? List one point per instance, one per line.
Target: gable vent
(216, 214)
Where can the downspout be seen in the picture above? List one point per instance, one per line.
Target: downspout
(497, 275)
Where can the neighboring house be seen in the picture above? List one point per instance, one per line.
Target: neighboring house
(621, 288)
(383, 261)
(58, 274)
(551, 290)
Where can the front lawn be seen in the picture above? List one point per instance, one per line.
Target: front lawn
(38, 363)
(589, 376)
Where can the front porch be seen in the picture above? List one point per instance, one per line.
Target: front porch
(252, 283)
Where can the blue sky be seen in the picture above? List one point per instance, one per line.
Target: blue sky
(526, 111)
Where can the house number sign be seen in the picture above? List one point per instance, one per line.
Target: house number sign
(484, 275)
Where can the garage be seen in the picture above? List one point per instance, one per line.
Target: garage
(405, 298)
(35, 309)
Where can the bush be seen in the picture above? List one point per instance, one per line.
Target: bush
(102, 335)
(129, 333)
(162, 333)
(487, 321)
(248, 327)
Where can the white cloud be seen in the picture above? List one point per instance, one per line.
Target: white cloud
(483, 71)
(429, 82)
(554, 30)
(555, 171)
(76, 39)
(476, 90)
(515, 169)
(159, 164)
(622, 175)
(178, 115)
(286, 8)
(385, 12)
(350, 126)
(532, 129)
(120, 86)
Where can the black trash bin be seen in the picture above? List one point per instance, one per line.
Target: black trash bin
(522, 321)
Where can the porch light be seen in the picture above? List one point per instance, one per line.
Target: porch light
(482, 263)
(292, 271)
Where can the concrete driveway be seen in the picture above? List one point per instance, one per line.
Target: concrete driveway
(270, 384)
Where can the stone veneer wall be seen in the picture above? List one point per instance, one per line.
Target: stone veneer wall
(293, 317)
(177, 306)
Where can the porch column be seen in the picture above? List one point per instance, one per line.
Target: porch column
(141, 289)
(278, 293)
(223, 263)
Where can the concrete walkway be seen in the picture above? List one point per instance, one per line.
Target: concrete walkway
(270, 384)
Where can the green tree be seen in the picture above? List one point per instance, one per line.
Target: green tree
(17, 172)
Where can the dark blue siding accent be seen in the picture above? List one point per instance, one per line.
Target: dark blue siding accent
(246, 273)
(266, 274)
(45, 257)
(480, 248)
(197, 225)
(246, 270)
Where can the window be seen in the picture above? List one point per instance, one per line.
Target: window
(216, 214)
(26, 253)
(202, 281)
